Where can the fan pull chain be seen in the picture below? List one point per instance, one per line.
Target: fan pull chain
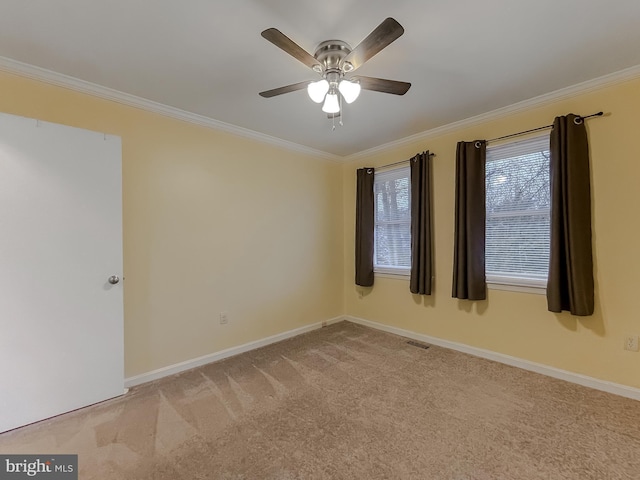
(341, 111)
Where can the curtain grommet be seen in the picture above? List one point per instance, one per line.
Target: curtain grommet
(369, 171)
(478, 144)
(578, 120)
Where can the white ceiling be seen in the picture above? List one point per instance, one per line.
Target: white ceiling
(463, 57)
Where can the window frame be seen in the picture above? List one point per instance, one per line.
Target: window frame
(388, 270)
(509, 282)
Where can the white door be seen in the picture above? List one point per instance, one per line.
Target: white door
(61, 321)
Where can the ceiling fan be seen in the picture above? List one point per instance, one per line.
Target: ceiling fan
(334, 61)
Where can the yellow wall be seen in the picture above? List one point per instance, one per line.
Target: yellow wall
(519, 324)
(275, 248)
(212, 222)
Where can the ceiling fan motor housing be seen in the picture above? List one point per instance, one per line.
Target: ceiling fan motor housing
(330, 54)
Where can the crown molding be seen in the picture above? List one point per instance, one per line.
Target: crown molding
(61, 80)
(611, 79)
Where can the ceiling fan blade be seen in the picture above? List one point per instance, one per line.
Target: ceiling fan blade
(283, 42)
(381, 85)
(382, 36)
(281, 90)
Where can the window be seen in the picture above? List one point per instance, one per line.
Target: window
(517, 205)
(392, 190)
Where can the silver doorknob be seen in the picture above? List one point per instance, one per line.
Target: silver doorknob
(113, 279)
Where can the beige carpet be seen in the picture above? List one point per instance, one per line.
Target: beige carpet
(348, 402)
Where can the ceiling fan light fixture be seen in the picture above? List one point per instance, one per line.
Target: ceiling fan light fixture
(349, 90)
(331, 104)
(317, 90)
(334, 60)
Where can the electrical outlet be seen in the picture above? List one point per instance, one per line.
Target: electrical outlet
(631, 343)
(224, 318)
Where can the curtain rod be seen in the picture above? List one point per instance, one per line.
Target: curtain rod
(402, 161)
(578, 120)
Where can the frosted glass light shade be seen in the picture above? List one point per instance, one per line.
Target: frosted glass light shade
(331, 104)
(349, 90)
(317, 90)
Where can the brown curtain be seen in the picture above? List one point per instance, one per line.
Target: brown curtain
(364, 227)
(570, 283)
(421, 263)
(469, 279)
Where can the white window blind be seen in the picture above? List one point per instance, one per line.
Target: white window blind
(392, 192)
(517, 206)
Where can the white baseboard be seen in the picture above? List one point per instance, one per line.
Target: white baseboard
(603, 385)
(586, 381)
(229, 352)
